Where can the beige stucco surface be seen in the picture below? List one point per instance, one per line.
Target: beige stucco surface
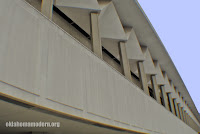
(48, 67)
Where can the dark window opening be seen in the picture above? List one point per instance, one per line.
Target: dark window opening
(179, 110)
(151, 93)
(175, 107)
(169, 103)
(71, 22)
(162, 101)
(179, 94)
(162, 98)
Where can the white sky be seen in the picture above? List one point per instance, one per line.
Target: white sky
(177, 23)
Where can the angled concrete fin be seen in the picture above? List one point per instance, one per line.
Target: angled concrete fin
(134, 51)
(171, 83)
(148, 62)
(80, 16)
(110, 24)
(83, 4)
(103, 3)
(128, 31)
(112, 46)
(175, 94)
(159, 77)
(168, 87)
(178, 101)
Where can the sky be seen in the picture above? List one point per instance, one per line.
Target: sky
(177, 22)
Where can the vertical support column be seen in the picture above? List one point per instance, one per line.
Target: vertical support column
(180, 113)
(165, 99)
(185, 115)
(171, 103)
(143, 77)
(176, 108)
(188, 120)
(155, 88)
(47, 8)
(95, 35)
(124, 60)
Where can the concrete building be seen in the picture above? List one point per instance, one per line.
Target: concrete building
(95, 66)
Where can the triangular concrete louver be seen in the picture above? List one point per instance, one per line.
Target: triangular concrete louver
(172, 86)
(110, 24)
(128, 31)
(111, 29)
(133, 49)
(103, 3)
(175, 94)
(159, 76)
(180, 101)
(78, 11)
(112, 46)
(83, 4)
(80, 16)
(168, 87)
(149, 67)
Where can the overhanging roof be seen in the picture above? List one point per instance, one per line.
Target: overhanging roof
(132, 15)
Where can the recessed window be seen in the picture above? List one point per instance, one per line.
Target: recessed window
(170, 108)
(162, 98)
(151, 93)
(175, 107)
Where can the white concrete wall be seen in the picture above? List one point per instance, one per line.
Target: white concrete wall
(42, 64)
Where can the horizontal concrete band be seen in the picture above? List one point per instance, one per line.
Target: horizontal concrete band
(58, 67)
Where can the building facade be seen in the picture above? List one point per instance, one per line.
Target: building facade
(95, 66)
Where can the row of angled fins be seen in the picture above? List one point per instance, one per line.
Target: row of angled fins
(112, 31)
